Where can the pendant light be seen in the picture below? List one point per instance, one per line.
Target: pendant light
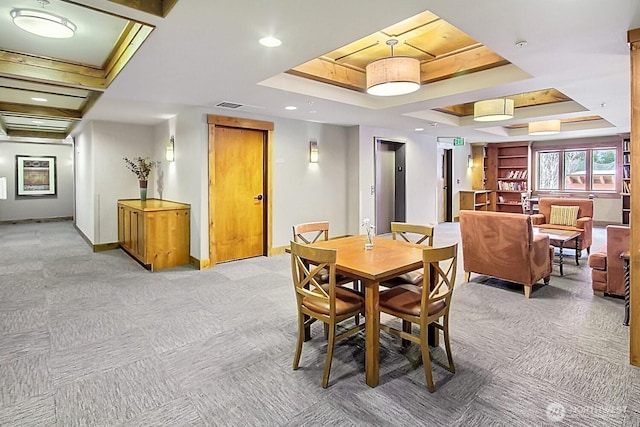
(393, 75)
(493, 110)
(547, 127)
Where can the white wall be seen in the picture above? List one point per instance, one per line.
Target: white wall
(186, 179)
(17, 208)
(84, 181)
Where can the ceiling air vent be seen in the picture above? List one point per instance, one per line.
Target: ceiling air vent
(230, 105)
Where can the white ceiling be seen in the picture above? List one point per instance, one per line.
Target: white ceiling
(207, 51)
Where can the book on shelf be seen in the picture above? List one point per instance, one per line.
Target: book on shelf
(626, 171)
(625, 145)
(626, 187)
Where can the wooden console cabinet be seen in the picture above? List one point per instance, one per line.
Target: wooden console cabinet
(155, 232)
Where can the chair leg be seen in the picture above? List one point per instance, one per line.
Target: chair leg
(447, 343)
(406, 327)
(296, 357)
(327, 364)
(426, 358)
(467, 276)
(599, 293)
(527, 291)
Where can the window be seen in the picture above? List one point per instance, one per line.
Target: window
(584, 169)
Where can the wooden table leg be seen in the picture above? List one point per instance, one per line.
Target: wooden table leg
(561, 256)
(577, 250)
(372, 333)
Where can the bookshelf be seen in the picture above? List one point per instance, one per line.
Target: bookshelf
(626, 180)
(508, 174)
(477, 200)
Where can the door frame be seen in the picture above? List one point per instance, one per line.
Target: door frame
(398, 145)
(241, 123)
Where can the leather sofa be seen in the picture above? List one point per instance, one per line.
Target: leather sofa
(607, 268)
(503, 245)
(584, 222)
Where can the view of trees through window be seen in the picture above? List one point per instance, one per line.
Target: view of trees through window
(577, 170)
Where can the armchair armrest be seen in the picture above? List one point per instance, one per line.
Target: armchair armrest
(537, 219)
(541, 254)
(583, 222)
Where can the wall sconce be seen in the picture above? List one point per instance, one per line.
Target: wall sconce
(313, 152)
(469, 161)
(171, 149)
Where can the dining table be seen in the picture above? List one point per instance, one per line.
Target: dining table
(387, 259)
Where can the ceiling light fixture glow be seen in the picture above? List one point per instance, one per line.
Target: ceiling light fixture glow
(270, 42)
(493, 110)
(547, 127)
(393, 75)
(290, 107)
(38, 99)
(43, 23)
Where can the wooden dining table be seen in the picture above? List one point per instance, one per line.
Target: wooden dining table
(387, 259)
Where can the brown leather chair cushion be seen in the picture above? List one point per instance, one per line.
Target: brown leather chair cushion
(347, 301)
(411, 278)
(406, 299)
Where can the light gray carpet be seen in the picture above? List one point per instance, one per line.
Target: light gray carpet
(93, 339)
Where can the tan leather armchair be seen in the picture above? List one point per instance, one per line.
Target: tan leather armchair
(503, 245)
(607, 268)
(583, 224)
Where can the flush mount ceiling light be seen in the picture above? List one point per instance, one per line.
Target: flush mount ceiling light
(493, 110)
(394, 75)
(270, 41)
(547, 127)
(43, 23)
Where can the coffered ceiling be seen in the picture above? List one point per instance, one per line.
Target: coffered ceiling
(574, 66)
(47, 85)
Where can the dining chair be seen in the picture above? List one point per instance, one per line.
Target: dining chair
(311, 232)
(412, 233)
(317, 300)
(425, 305)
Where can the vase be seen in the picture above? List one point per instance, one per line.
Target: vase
(143, 191)
(368, 242)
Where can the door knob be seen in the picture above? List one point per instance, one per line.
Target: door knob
(258, 197)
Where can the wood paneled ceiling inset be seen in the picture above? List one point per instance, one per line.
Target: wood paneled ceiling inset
(527, 99)
(69, 85)
(443, 51)
(563, 121)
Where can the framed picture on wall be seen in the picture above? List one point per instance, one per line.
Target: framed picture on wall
(35, 176)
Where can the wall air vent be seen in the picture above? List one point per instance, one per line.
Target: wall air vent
(229, 105)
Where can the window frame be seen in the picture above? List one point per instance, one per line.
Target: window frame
(561, 147)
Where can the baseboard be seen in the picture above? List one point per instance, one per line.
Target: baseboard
(37, 220)
(106, 247)
(200, 264)
(84, 237)
(278, 251)
(603, 224)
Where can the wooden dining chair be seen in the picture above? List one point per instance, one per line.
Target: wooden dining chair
(425, 305)
(317, 300)
(412, 233)
(311, 232)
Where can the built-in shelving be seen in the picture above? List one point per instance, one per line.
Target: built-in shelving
(626, 180)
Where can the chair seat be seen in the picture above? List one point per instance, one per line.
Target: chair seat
(406, 299)
(411, 278)
(347, 301)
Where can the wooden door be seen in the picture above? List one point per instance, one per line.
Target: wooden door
(238, 190)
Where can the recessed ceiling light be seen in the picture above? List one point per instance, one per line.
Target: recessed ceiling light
(419, 129)
(521, 43)
(270, 42)
(43, 23)
(290, 107)
(38, 99)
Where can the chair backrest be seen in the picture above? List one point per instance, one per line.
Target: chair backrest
(440, 266)
(307, 264)
(404, 230)
(310, 232)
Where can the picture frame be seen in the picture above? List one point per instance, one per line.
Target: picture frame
(36, 176)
